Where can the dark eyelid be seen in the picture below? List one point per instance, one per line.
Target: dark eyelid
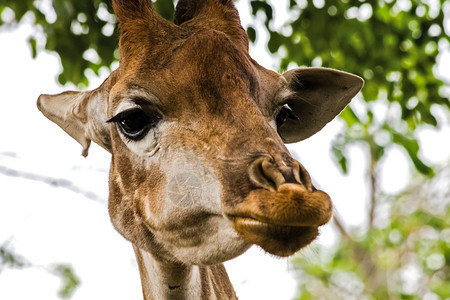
(142, 105)
(146, 104)
(124, 114)
(279, 108)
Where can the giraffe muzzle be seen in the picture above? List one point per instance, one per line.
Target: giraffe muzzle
(283, 213)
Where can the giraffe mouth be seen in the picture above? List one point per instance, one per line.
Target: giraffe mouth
(282, 221)
(279, 240)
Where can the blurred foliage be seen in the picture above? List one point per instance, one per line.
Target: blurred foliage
(394, 46)
(9, 259)
(70, 281)
(406, 257)
(71, 28)
(83, 33)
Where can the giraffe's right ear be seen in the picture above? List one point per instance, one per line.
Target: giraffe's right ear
(81, 114)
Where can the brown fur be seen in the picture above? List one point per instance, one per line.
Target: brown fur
(219, 284)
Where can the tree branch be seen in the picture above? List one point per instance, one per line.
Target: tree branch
(374, 277)
(373, 190)
(54, 182)
(340, 226)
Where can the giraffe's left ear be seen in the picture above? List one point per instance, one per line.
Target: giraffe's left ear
(314, 97)
(81, 114)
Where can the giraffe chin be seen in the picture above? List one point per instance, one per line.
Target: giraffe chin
(275, 239)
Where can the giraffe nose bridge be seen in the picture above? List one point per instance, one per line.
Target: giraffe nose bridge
(270, 173)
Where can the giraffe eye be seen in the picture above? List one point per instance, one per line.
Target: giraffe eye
(135, 123)
(286, 113)
(287, 122)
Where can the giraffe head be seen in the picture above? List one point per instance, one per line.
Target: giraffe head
(196, 129)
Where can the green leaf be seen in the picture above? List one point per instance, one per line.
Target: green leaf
(251, 33)
(412, 148)
(442, 289)
(275, 42)
(32, 42)
(10, 258)
(70, 281)
(341, 159)
(165, 8)
(263, 6)
(349, 116)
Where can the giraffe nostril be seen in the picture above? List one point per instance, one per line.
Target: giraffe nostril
(302, 176)
(264, 173)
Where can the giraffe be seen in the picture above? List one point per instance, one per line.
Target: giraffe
(197, 130)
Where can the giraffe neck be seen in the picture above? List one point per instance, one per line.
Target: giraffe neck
(167, 280)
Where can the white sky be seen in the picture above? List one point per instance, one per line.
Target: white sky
(53, 225)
